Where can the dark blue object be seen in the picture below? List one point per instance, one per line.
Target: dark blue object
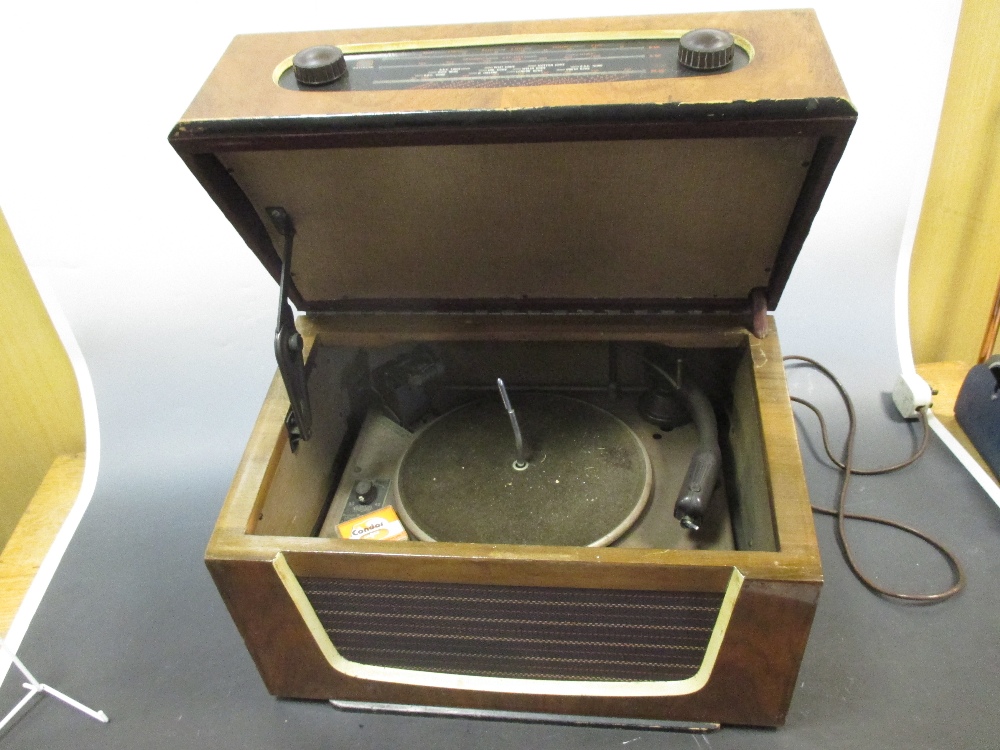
(978, 410)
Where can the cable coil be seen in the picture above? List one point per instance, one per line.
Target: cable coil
(840, 512)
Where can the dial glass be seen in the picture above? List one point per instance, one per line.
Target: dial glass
(505, 65)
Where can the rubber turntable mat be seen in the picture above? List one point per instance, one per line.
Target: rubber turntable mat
(588, 478)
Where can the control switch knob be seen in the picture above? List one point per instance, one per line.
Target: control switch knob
(366, 490)
(318, 66)
(706, 49)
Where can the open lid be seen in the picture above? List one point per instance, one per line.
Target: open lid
(562, 165)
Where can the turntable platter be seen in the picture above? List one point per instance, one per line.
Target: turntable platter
(586, 483)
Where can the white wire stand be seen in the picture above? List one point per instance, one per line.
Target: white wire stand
(34, 687)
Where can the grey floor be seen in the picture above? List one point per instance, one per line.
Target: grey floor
(133, 625)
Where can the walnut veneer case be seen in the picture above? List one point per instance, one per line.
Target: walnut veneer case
(557, 204)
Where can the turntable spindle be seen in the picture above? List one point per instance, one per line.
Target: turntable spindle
(522, 450)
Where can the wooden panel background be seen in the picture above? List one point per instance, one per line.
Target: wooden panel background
(41, 417)
(956, 263)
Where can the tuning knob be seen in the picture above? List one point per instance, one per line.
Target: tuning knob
(317, 66)
(706, 49)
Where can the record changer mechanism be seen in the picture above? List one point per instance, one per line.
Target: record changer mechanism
(540, 463)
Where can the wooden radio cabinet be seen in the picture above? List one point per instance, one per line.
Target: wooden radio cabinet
(576, 208)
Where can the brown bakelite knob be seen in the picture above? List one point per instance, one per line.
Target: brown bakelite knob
(317, 66)
(706, 49)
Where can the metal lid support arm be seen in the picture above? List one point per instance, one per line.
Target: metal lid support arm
(288, 341)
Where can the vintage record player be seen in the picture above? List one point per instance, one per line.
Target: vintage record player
(534, 263)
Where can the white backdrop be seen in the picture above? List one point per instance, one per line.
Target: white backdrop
(175, 315)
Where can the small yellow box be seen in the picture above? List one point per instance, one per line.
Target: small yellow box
(380, 524)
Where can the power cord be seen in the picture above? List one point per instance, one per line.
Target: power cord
(841, 514)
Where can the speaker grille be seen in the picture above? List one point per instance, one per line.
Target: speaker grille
(516, 631)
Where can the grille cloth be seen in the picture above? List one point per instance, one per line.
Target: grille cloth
(516, 631)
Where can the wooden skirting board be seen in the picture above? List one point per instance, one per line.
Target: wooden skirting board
(946, 379)
(35, 532)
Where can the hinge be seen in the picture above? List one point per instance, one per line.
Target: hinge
(758, 312)
(288, 341)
